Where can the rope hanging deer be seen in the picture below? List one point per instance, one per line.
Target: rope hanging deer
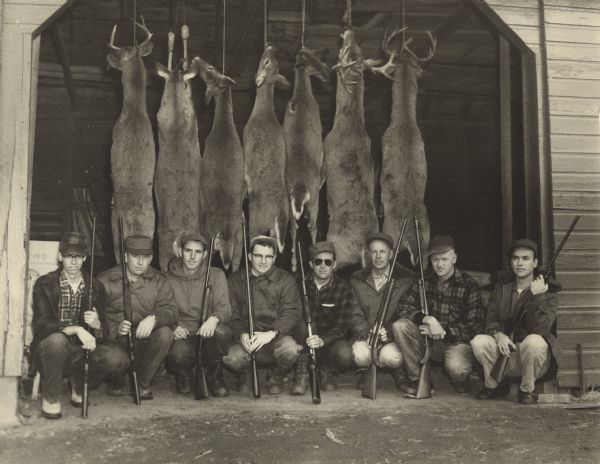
(132, 153)
(404, 166)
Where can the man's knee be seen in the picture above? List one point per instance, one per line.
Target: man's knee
(56, 343)
(340, 356)
(286, 351)
(180, 352)
(482, 343)
(534, 344)
(361, 354)
(237, 358)
(163, 336)
(402, 327)
(390, 356)
(113, 358)
(459, 362)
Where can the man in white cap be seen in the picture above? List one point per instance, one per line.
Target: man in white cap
(277, 310)
(455, 316)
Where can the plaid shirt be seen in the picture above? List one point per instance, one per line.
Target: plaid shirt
(458, 307)
(331, 308)
(69, 303)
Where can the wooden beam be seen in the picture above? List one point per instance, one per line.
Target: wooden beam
(506, 170)
(61, 53)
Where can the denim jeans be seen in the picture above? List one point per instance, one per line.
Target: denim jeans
(530, 361)
(59, 356)
(457, 357)
(148, 354)
(390, 355)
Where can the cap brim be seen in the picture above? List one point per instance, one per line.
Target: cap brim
(439, 250)
(135, 251)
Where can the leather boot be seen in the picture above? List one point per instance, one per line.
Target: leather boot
(300, 376)
(274, 382)
(328, 379)
(400, 380)
(216, 382)
(243, 382)
(360, 380)
(183, 383)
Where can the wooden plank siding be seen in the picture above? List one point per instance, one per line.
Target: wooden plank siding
(572, 36)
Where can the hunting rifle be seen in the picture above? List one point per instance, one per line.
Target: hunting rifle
(497, 372)
(200, 384)
(313, 374)
(424, 386)
(370, 386)
(86, 353)
(253, 367)
(128, 317)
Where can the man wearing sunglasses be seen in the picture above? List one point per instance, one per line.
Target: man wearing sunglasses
(369, 287)
(277, 310)
(331, 303)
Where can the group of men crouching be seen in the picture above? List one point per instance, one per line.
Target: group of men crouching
(166, 321)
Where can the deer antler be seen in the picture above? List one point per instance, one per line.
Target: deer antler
(388, 37)
(431, 49)
(112, 39)
(387, 69)
(143, 27)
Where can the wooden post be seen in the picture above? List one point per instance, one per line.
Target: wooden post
(505, 146)
(21, 25)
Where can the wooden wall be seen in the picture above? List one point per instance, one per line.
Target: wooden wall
(572, 38)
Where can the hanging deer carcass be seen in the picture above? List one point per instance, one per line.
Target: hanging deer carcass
(304, 143)
(223, 168)
(264, 150)
(348, 162)
(178, 179)
(404, 167)
(132, 154)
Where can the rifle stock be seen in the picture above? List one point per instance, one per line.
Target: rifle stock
(200, 383)
(253, 366)
(128, 317)
(424, 385)
(86, 353)
(370, 386)
(313, 376)
(497, 372)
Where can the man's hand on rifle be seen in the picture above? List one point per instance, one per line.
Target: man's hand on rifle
(88, 341)
(145, 327)
(207, 329)
(261, 339)
(432, 328)
(539, 286)
(124, 327)
(91, 319)
(245, 341)
(315, 342)
(505, 345)
(180, 333)
(383, 335)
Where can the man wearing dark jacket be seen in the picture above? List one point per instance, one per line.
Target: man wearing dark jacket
(369, 286)
(277, 310)
(64, 325)
(525, 306)
(187, 275)
(153, 312)
(331, 304)
(455, 316)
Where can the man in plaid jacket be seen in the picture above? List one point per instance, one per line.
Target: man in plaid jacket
(456, 315)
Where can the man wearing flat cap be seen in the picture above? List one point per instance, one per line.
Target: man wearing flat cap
(64, 326)
(331, 304)
(369, 288)
(153, 313)
(526, 306)
(187, 274)
(456, 315)
(277, 310)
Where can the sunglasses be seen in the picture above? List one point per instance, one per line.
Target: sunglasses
(319, 261)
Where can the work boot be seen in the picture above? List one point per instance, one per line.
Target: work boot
(183, 383)
(274, 382)
(216, 382)
(527, 397)
(328, 379)
(360, 380)
(300, 376)
(400, 380)
(51, 410)
(491, 393)
(243, 382)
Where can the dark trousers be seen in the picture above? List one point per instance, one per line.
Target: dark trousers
(148, 354)
(59, 356)
(336, 355)
(182, 354)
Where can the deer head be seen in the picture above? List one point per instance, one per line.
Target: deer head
(118, 57)
(307, 59)
(268, 69)
(216, 82)
(351, 64)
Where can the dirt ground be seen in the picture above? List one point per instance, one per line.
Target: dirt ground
(345, 428)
